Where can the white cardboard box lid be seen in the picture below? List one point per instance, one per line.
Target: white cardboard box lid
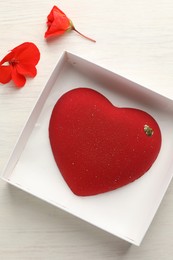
(126, 212)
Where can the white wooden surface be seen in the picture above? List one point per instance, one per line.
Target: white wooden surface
(135, 39)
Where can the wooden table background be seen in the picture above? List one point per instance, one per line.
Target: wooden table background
(135, 39)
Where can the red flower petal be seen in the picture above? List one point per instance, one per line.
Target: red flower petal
(57, 22)
(5, 74)
(18, 79)
(7, 58)
(26, 70)
(27, 53)
(53, 32)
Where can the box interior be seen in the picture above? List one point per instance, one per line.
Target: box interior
(126, 212)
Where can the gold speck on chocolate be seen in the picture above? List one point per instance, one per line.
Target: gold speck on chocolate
(148, 130)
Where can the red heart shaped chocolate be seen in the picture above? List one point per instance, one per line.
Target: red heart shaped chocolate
(99, 147)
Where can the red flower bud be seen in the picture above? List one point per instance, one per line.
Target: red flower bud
(19, 63)
(58, 23)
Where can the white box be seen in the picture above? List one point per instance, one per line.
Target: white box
(126, 212)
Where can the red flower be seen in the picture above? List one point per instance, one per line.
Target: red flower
(19, 63)
(58, 23)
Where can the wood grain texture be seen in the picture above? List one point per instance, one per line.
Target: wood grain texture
(134, 39)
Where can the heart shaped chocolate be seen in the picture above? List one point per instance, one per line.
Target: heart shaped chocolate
(99, 147)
